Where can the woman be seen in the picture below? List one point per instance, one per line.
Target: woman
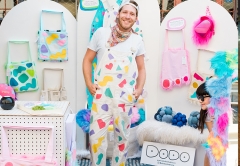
(205, 118)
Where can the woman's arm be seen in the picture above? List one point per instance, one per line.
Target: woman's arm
(209, 126)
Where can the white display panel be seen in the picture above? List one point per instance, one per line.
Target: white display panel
(23, 23)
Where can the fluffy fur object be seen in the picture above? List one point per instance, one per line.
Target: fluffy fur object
(203, 38)
(141, 119)
(135, 115)
(213, 161)
(222, 123)
(161, 132)
(224, 63)
(219, 87)
(83, 119)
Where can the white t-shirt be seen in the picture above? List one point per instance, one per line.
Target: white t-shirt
(101, 36)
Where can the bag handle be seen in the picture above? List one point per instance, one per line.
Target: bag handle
(166, 40)
(5, 149)
(18, 42)
(63, 26)
(54, 69)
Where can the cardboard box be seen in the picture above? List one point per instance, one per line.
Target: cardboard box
(167, 155)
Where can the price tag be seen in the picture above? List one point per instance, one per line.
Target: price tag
(184, 60)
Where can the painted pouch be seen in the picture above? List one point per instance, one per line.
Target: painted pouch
(9, 159)
(53, 45)
(21, 75)
(175, 66)
(201, 74)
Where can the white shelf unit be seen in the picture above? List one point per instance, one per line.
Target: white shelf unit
(35, 141)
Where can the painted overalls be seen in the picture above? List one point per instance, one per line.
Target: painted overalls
(116, 76)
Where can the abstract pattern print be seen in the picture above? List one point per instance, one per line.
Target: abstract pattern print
(116, 76)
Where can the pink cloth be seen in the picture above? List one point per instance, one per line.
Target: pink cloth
(175, 66)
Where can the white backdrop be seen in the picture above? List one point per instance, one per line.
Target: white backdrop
(225, 38)
(22, 23)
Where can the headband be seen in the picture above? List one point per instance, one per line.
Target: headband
(128, 3)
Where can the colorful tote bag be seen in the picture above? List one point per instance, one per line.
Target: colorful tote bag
(21, 75)
(53, 45)
(8, 159)
(175, 66)
(199, 76)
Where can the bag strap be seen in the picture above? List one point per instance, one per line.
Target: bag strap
(5, 149)
(166, 40)
(18, 42)
(54, 69)
(63, 26)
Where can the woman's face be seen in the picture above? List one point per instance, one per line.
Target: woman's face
(204, 101)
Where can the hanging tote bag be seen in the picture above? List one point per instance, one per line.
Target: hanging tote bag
(201, 74)
(8, 159)
(56, 94)
(53, 45)
(175, 66)
(21, 75)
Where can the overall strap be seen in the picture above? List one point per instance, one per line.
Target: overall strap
(63, 26)
(18, 42)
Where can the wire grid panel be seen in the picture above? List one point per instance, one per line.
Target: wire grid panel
(35, 142)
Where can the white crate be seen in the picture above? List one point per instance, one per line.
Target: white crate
(35, 141)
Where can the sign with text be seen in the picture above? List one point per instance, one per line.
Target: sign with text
(167, 155)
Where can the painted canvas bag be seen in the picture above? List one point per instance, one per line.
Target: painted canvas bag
(201, 74)
(21, 75)
(175, 66)
(53, 44)
(8, 159)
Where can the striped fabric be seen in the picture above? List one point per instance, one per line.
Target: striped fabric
(130, 162)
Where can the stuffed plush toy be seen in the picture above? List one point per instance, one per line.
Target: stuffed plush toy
(193, 119)
(164, 114)
(179, 120)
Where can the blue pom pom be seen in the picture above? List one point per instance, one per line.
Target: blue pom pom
(180, 124)
(179, 120)
(168, 110)
(162, 112)
(174, 121)
(167, 118)
(193, 119)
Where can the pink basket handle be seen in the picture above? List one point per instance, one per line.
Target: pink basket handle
(5, 149)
